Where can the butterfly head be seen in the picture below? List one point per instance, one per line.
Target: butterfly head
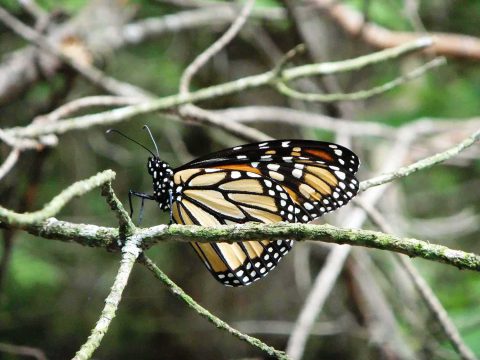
(162, 175)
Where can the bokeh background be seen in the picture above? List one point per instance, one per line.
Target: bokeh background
(51, 292)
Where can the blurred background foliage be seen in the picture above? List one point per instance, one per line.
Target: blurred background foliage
(52, 292)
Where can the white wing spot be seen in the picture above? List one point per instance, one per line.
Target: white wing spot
(297, 173)
(340, 175)
(308, 206)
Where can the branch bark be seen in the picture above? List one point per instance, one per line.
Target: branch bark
(353, 22)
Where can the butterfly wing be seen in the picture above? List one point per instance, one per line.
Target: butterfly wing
(281, 180)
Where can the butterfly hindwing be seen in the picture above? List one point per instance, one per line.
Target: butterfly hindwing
(215, 196)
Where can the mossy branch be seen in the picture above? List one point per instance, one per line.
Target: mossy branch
(130, 253)
(325, 233)
(106, 237)
(57, 203)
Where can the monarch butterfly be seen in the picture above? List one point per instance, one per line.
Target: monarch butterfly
(267, 182)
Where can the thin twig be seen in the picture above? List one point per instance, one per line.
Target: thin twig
(130, 253)
(9, 162)
(422, 164)
(178, 292)
(89, 101)
(217, 46)
(21, 350)
(426, 292)
(57, 203)
(126, 226)
(286, 90)
(274, 114)
(206, 116)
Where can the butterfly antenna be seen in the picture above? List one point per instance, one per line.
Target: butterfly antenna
(129, 138)
(145, 127)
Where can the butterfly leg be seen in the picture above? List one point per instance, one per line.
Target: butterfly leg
(170, 199)
(141, 195)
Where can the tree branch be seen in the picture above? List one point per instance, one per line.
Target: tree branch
(353, 22)
(130, 253)
(422, 164)
(249, 82)
(56, 204)
(286, 90)
(219, 323)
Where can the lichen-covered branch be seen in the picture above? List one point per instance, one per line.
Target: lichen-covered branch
(326, 233)
(126, 226)
(286, 90)
(11, 218)
(91, 235)
(219, 323)
(130, 253)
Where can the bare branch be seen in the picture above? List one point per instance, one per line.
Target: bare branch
(328, 275)
(88, 71)
(422, 164)
(9, 163)
(286, 90)
(205, 116)
(352, 21)
(17, 350)
(216, 47)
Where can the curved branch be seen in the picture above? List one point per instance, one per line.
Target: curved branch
(286, 90)
(219, 323)
(57, 203)
(353, 22)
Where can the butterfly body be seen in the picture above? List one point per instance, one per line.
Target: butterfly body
(281, 180)
(162, 175)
